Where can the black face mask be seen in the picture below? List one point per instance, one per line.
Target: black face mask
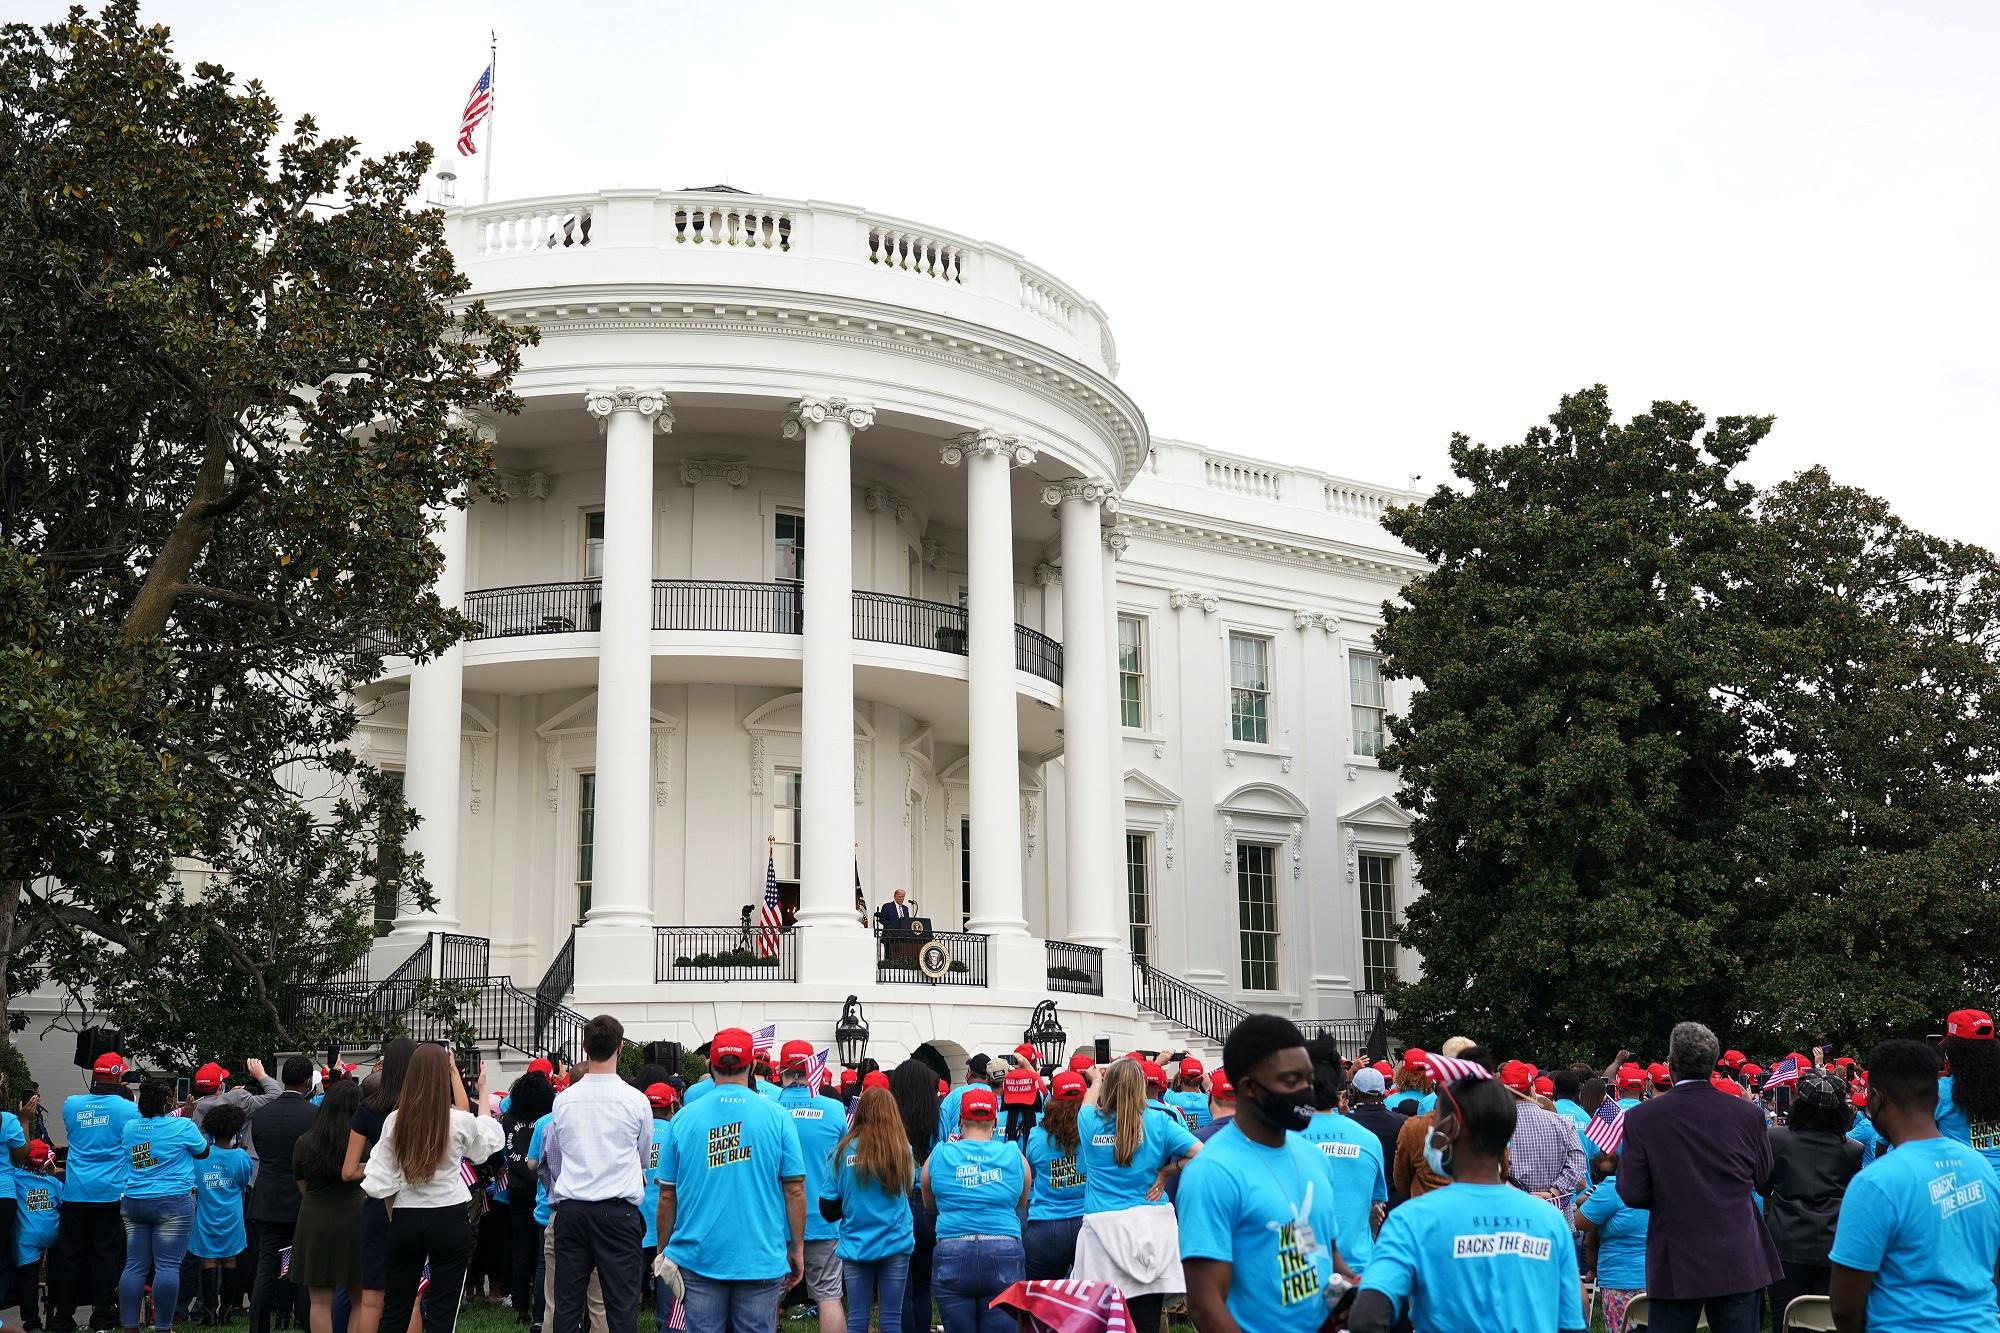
(1285, 1110)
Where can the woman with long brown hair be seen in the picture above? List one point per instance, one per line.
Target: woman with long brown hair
(1128, 1146)
(379, 1092)
(1055, 1198)
(414, 1171)
(868, 1193)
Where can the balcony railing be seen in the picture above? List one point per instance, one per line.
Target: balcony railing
(1076, 968)
(723, 953)
(899, 959)
(747, 608)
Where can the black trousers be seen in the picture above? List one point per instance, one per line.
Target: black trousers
(441, 1237)
(89, 1255)
(524, 1252)
(269, 1291)
(28, 1286)
(602, 1236)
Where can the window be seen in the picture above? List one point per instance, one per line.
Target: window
(1257, 914)
(593, 544)
(788, 547)
(1366, 702)
(964, 875)
(1378, 921)
(787, 801)
(388, 865)
(1131, 672)
(586, 839)
(1249, 689)
(1138, 897)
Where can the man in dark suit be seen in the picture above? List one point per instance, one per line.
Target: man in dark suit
(894, 918)
(274, 1198)
(1693, 1156)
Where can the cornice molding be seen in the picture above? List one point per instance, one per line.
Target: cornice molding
(1215, 538)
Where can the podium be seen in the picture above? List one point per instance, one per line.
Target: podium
(900, 942)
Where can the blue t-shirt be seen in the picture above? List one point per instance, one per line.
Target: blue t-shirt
(1983, 1135)
(1360, 1180)
(1109, 1187)
(725, 1159)
(11, 1137)
(874, 1223)
(94, 1169)
(1580, 1118)
(1863, 1132)
(697, 1091)
(1244, 1204)
(1057, 1190)
(543, 1209)
(1478, 1258)
(948, 1110)
(649, 1184)
(1192, 1105)
(160, 1153)
(977, 1185)
(820, 1123)
(218, 1204)
(1621, 1237)
(36, 1200)
(1925, 1221)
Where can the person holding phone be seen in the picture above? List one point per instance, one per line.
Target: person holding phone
(414, 1171)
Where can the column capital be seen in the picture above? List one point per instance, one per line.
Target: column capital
(694, 471)
(1090, 490)
(652, 404)
(813, 409)
(1046, 574)
(878, 498)
(1116, 540)
(1016, 450)
(479, 422)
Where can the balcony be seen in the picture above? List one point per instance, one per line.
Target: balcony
(754, 608)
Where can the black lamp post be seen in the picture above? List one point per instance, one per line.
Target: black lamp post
(1045, 1033)
(850, 1034)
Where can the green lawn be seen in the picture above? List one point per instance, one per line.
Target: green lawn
(489, 1317)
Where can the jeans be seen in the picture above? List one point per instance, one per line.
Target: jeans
(917, 1292)
(731, 1307)
(968, 1272)
(157, 1232)
(868, 1279)
(1740, 1313)
(1050, 1245)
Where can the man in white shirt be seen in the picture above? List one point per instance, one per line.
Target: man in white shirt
(598, 1141)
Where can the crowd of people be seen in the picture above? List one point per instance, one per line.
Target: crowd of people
(1284, 1189)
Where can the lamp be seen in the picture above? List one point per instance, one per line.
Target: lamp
(850, 1034)
(1045, 1033)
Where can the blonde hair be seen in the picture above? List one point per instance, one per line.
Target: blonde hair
(1453, 1046)
(1123, 1098)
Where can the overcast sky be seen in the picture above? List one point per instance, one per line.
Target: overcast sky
(1328, 234)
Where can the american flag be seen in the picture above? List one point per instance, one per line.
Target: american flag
(1445, 1069)
(1607, 1128)
(1785, 1071)
(769, 922)
(476, 107)
(678, 1319)
(763, 1039)
(816, 1072)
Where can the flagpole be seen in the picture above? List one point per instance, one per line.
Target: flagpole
(492, 109)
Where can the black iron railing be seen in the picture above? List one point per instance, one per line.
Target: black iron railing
(723, 953)
(534, 608)
(356, 972)
(1037, 654)
(912, 622)
(1184, 1005)
(462, 957)
(900, 955)
(748, 608)
(398, 990)
(1076, 968)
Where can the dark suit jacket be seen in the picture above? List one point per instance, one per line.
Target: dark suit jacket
(1693, 1157)
(893, 916)
(276, 1127)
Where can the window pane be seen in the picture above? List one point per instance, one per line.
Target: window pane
(1246, 662)
(586, 839)
(1131, 672)
(1138, 899)
(1367, 702)
(1377, 878)
(964, 877)
(1257, 915)
(790, 546)
(1249, 698)
(787, 802)
(593, 545)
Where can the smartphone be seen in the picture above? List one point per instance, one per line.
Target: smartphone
(1102, 1051)
(181, 1089)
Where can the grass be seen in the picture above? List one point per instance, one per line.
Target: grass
(490, 1317)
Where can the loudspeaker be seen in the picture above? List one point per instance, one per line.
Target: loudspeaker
(667, 1053)
(93, 1042)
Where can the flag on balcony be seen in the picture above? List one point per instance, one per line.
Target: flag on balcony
(770, 922)
(816, 1072)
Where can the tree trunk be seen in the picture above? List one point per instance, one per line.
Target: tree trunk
(184, 544)
(10, 904)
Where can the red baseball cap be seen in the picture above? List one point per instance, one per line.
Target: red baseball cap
(109, 1065)
(1518, 1076)
(1858, 1093)
(1156, 1077)
(1020, 1087)
(1545, 1086)
(875, 1078)
(662, 1094)
(1972, 1024)
(1415, 1058)
(1191, 1068)
(1219, 1086)
(978, 1104)
(1845, 1061)
(944, 1088)
(560, 1082)
(39, 1152)
(1082, 1060)
(1028, 1053)
(848, 1076)
(1067, 1087)
(1384, 1068)
(1659, 1073)
(210, 1075)
(1734, 1059)
(795, 1055)
(729, 1050)
(1631, 1076)
(1752, 1071)
(542, 1067)
(1721, 1083)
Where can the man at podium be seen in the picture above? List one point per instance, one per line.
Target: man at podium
(894, 918)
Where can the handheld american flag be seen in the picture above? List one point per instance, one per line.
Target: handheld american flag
(816, 1072)
(769, 922)
(1785, 1071)
(1607, 1128)
(762, 1040)
(476, 108)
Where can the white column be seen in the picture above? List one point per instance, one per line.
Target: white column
(826, 723)
(431, 746)
(994, 763)
(1094, 894)
(1117, 959)
(621, 873)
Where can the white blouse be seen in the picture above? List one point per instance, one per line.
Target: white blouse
(474, 1138)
